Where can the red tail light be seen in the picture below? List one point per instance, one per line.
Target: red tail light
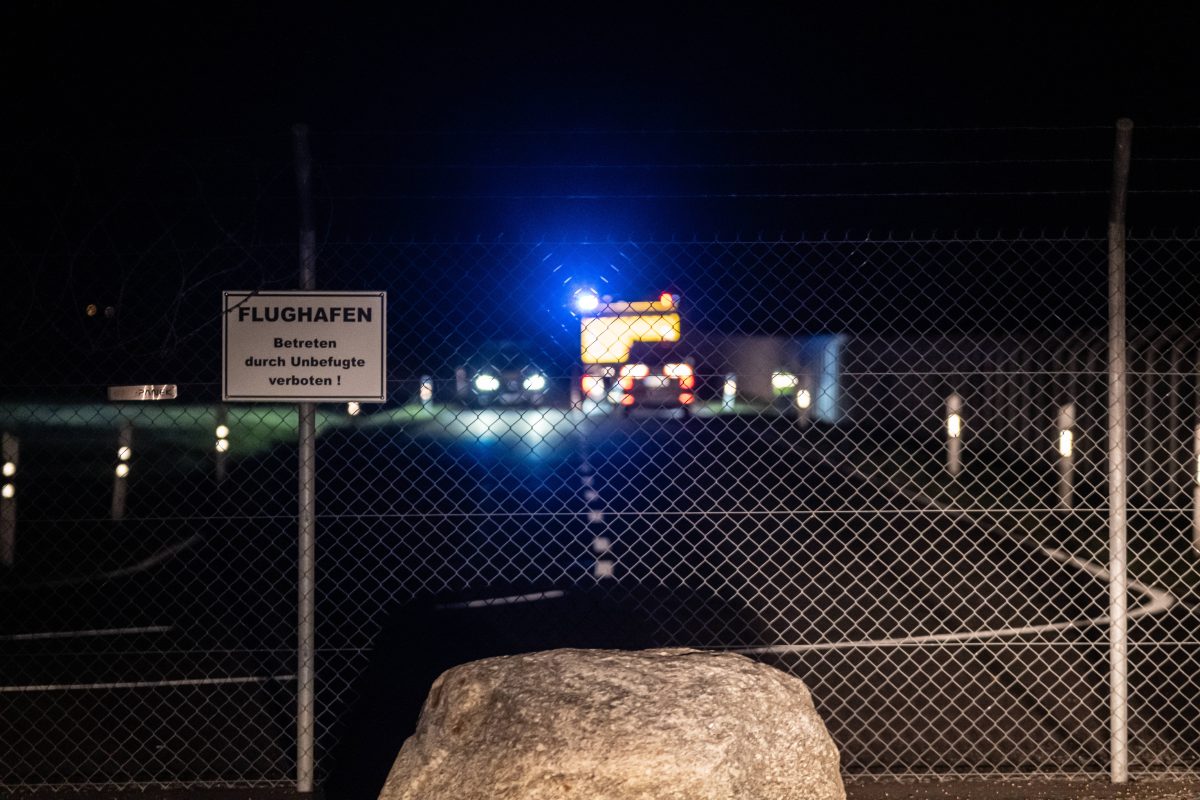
(683, 372)
(686, 398)
(591, 385)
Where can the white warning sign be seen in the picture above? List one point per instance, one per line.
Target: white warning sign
(307, 347)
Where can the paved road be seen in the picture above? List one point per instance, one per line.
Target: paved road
(726, 531)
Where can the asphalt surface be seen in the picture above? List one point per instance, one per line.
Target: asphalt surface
(932, 641)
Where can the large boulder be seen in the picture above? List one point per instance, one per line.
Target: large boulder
(667, 724)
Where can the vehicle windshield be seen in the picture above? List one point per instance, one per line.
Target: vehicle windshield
(506, 358)
(511, 359)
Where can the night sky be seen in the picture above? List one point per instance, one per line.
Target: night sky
(133, 131)
(107, 107)
(238, 69)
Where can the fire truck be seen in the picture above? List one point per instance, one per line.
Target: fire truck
(629, 352)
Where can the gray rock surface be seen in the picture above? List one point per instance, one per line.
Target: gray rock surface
(669, 724)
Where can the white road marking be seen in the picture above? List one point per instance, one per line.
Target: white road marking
(601, 544)
(1158, 602)
(41, 635)
(152, 560)
(78, 687)
(504, 601)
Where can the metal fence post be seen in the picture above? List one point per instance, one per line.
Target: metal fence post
(1117, 463)
(1196, 493)
(306, 516)
(1196, 468)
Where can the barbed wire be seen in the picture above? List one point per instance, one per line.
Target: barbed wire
(848, 235)
(780, 131)
(748, 195)
(949, 162)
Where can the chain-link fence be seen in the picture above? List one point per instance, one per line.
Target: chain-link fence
(877, 464)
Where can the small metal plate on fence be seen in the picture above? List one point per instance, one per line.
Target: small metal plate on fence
(141, 392)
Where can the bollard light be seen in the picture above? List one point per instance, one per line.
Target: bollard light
(1066, 451)
(121, 471)
(954, 425)
(8, 504)
(353, 408)
(426, 393)
(954, 432)
(729, 392)
(803, 399)
(221, 444)
(1066, 442)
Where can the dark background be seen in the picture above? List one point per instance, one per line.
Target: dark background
(147, 154)
(128, 106)
(147, 165)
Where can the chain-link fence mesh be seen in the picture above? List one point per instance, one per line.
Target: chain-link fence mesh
(888, 477)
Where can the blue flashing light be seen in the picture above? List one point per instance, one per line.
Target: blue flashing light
(586, 301)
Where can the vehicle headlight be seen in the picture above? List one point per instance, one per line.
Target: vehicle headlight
(783, 382)
(486, 383)
(535, 382)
